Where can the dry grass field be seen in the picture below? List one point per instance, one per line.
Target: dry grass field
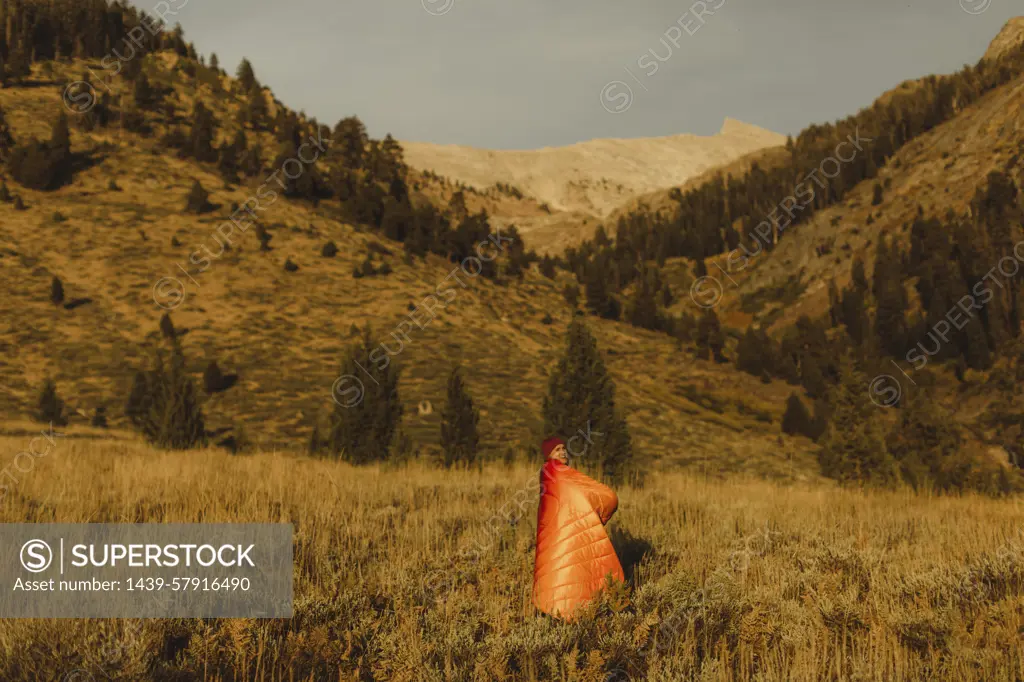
(413, 573)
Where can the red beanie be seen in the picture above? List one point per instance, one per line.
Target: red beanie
(550, 444)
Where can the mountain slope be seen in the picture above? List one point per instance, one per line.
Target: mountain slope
(118, 249)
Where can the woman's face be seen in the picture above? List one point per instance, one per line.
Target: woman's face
(559, 454)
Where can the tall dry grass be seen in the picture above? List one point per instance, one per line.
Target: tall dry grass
(419, 574)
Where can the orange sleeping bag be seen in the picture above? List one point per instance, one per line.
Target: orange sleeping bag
(574, 554)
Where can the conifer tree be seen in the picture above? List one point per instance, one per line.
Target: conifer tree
(167, 327)
(51, 407)
(854, 444)
(198, 200)
(796, 420)
(580, 405)
(349, 142)
(643, 308)
(460, 441)
(927, 445)
(854, 316)
(859, 279)
(257, 112)
(367, 416)
(146, 97)
(890, 298)
(213, 378)
(202, 134)
(56, 291)
(164, 404)
(750, 357)
(600, 300)
(246, 76)
(6, 138)
(710, 339)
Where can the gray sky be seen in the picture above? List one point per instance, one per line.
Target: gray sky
(515, 74)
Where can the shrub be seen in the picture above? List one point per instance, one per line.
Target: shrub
(289, 266)
(113, 186)
(547, 319)
(5, 192)
(330, 250)
(19, 205)
(384, 269)
(99, 418)
(51, 407)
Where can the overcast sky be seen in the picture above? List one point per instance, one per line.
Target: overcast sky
(517, 74)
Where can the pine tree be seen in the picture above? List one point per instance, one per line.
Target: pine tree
(256, 111)
(859, 279)
(51, 407)
(202, 135)
(877, 196)
(460, 441)
(927, 445)
(750, 353)
(60, 137)
(246, 76)
(213, 379)
(6, 138)
(854, 445)
(890, 298)
(580, 407)
(167, 327)
(198, 199)
(600, 300)
(349, 142)
(710, 339)
(214, 62)
(643, 308)
(146, 97)
(368, 415)
(571, 294)
(547, 266)
(854, 316)
(164, 404)
(796, 420)
(56, 291)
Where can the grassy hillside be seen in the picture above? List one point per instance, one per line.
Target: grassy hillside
(729, 581)
(117, 249)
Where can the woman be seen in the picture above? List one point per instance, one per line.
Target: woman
(574, 555)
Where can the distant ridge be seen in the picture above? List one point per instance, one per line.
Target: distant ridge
(596, 176)
(1009, 37)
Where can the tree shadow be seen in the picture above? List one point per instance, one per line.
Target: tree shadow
(630, 549)
(225, 382)
(77, 303)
